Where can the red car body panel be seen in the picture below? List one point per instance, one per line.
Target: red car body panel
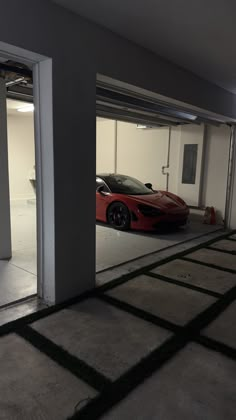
(174, 210)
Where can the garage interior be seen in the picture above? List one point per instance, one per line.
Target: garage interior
(158, 339)
(18, 268)
(141, 136)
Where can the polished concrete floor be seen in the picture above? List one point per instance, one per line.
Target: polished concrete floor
(158, 345)
(18, 276)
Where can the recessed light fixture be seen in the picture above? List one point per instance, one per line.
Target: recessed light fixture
(26, 108)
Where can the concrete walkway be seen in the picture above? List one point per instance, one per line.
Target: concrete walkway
(160, 345)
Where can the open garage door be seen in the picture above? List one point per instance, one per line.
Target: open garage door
(123, 105)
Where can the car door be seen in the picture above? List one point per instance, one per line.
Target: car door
(101, 200)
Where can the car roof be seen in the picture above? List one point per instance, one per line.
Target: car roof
(104, 175)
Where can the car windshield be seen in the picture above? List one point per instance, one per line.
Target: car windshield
(122, 184)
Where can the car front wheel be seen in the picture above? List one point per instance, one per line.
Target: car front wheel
(118, 216)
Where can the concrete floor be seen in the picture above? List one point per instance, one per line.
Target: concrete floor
(161, 345)
(39, 387)
(173, 303)
(114, 247)
(18, 277)
(197, 384)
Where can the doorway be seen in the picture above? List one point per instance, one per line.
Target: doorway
(38, 176)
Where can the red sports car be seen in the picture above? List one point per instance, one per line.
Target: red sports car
(124, 202)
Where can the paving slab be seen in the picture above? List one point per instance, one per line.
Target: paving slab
(171, 302)
(225, 245)
(32, 386)
(196, 275)
(128, 267)
(214, 257)
(223, 328)
(105, 337)
(196, 384)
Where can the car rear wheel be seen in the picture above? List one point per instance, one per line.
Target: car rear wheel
(118, 216)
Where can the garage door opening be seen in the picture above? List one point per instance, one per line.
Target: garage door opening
(175, 150)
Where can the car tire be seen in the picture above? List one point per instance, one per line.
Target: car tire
(118, 216)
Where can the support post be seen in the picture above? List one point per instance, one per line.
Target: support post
(5, 219)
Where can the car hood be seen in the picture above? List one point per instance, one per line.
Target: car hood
(165, 201)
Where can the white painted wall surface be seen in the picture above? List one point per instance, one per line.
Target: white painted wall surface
(141, 153)
(216, 167)
(21, 155)
(105, 139)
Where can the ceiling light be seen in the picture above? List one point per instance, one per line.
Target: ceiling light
(142, 126)
(26, 108)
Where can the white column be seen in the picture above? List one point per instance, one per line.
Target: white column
(5, 221)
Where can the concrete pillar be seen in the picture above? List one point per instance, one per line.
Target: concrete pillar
(5, 221)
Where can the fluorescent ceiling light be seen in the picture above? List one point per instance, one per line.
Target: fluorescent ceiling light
(141, 126)
(26, 108)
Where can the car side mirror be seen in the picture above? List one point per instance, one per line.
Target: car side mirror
(148, 185)
(100, 190)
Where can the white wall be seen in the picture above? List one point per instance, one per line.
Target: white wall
(141, 153)
(105, 139)
(21, 155)
(216, 167)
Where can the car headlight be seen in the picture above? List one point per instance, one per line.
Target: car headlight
(149, 211)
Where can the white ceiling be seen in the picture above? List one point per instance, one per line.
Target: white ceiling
(198, 35)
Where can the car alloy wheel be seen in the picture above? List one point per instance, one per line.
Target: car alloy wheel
(119, 216)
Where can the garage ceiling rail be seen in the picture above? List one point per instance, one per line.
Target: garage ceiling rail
(19, 80)
(113, 103)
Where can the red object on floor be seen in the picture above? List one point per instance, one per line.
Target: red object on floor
(213, 216)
